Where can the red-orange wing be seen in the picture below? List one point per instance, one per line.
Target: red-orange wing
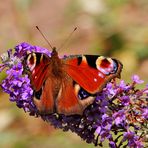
(68, 101)
(38, 65)
(43, 99)
(92, 72)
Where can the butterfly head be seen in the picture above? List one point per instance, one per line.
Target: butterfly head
(54, 52)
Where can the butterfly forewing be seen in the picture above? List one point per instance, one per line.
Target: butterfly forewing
(92, 72)
(38, 65)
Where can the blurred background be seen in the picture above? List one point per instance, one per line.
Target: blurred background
(116, 28)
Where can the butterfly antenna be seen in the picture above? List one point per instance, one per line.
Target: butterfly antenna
(67, 39)
(44, 36)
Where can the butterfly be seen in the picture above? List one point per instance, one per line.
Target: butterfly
(68, 85)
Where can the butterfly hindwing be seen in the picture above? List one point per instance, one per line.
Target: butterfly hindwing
(43, 99)
(69, 100)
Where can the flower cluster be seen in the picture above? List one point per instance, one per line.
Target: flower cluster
(118, 114)
(17, 83)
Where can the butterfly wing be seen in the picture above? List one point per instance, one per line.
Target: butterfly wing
(43, 99)
(72, 99)
(38, 65)
(92, 72)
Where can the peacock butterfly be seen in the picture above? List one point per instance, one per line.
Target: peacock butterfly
(68, 85)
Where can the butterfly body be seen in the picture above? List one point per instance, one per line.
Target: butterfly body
(68, 85)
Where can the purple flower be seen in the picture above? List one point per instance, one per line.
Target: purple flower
(112, 144)
(145, 113)
(146, 90)
(104, 128)
(124, 86)
(136, 79)
(119, 117)
(125, 100)
(23, 48)
(133, 140)
(118, 108)
(110, 90)
(98, 130)
(17, 84)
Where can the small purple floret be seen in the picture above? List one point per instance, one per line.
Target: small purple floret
(119, 117)
(136, 79)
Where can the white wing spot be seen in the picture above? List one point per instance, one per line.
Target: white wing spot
(33, 71)
(100, 75)
(95, 79)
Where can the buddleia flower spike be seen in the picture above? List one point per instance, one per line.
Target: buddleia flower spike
(118, 114)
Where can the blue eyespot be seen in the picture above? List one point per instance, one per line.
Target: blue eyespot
(38, 94)
(82, 94)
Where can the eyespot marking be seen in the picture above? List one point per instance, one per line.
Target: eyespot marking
(105, 65)
(31, 61)
(84, 60)
(37, 94)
